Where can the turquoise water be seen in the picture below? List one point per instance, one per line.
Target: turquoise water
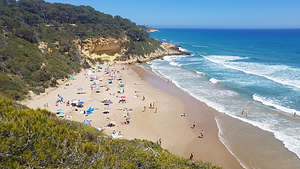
(257, 71)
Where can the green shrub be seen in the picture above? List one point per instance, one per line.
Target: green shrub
(38, 139)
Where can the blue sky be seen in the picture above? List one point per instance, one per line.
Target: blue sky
(202, 13)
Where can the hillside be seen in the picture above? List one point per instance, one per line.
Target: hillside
(37, 43)
(38, 139)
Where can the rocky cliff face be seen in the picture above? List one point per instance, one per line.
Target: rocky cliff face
(113, 50)
(165, 50)
(107, 49)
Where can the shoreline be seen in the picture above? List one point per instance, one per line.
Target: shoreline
(206, 150)
(261, 145)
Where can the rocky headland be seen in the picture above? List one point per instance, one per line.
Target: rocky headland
(112, 50)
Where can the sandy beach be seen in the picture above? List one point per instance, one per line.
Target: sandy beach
(168, 121)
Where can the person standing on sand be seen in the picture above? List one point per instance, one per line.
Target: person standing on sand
(144, 109)
(193, 126)
(159, 141)
(191, 156)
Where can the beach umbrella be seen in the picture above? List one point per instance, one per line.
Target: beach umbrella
(59, 110)
(128, 119)
(86, 122)
(123, 96)
(80, 102)
(91, 109)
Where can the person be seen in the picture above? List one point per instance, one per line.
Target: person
(155, 110)
(159, 141)
(295, 114)
(201, 134)
(150, 106)
(143, 98)
(193, 126)
(191, 156)
(144, 109)
(183, 114)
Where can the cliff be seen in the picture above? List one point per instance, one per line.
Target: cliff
(114, 50)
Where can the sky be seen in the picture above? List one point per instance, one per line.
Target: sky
(202, 13)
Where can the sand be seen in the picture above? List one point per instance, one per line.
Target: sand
(164, 121)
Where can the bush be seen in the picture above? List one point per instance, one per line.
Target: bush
(38, 139)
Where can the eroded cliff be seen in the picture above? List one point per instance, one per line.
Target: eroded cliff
(114, 50)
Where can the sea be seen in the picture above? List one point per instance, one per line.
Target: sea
(249, 74)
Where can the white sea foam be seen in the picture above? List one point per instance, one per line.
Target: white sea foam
(182, 49)
(174, 63)
(213, 80)
(289, 140)
(282, 74)
(221, 138)
(271, 103)
(200, 73)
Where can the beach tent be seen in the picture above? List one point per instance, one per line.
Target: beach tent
(72, 78)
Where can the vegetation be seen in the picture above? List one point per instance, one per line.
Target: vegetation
(38, 139)
(24, 24)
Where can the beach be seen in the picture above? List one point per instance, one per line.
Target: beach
(169, 121)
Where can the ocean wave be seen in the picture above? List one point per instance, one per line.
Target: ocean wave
(281, 74)
(289, 140)
(271, 103)
(173, 57)
(200, 73)
(200, 46)
(174, 64)
(213, 80)
(182, 49)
